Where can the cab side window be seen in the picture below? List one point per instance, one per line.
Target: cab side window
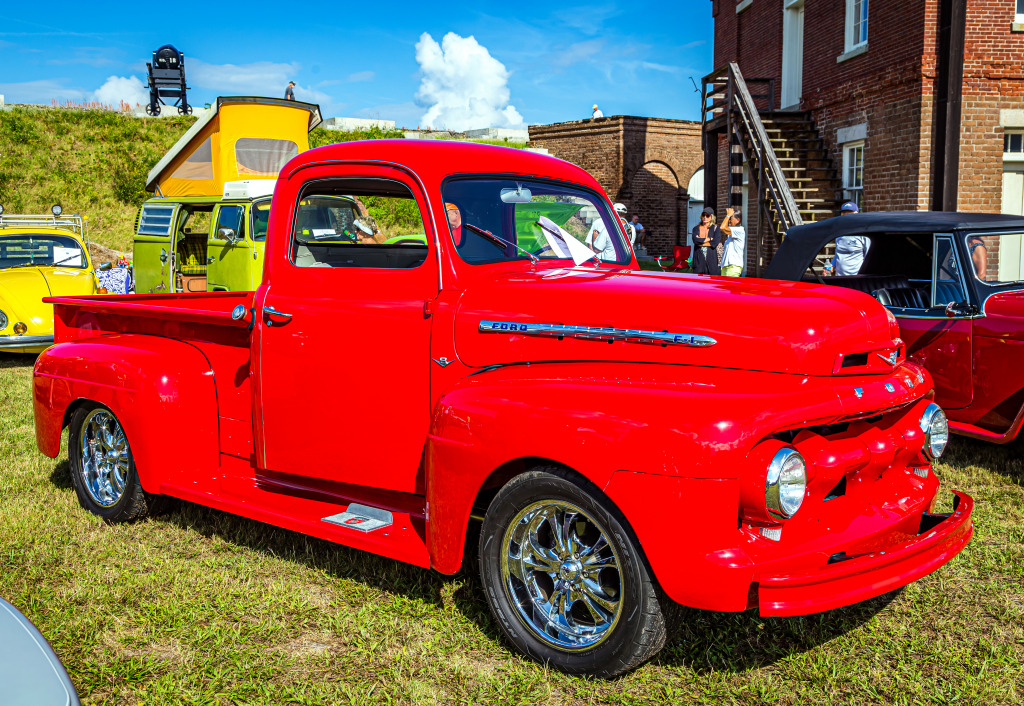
(358, 223)
(948, 277)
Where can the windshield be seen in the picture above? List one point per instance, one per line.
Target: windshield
(997, 259)
(24, 250)
(502, 219)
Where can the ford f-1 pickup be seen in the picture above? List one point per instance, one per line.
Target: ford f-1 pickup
(621, 441)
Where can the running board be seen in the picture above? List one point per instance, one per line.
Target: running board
(362, 518)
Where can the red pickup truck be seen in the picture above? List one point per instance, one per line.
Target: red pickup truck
(453, 339)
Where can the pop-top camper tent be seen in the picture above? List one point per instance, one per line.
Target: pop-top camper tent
(240, 138)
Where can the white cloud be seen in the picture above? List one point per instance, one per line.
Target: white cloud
(260, 78)
(122, 88)
(463, 85)
(360, 76)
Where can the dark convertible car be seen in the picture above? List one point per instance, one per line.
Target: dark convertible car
(954, 281)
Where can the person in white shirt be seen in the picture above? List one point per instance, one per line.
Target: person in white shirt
(597, 112)
(732, 252)
(600, 241)
(850, 249)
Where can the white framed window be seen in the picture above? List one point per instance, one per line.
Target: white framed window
(1019, 16)
(1013, 144)
(857, 23)
(853, 172)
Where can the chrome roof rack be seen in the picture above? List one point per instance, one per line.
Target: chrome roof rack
(76, 224)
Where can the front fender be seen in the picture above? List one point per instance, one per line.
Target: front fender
(162, 390)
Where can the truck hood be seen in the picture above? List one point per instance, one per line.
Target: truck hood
(754, 324)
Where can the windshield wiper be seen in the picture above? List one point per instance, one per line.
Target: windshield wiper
(500, 241)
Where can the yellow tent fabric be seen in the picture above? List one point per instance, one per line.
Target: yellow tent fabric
(241, 138)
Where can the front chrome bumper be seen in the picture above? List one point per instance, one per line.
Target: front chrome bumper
(23, 341)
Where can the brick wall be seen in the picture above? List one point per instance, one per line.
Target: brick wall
(646, 163)
(993, 80)
(753, 38)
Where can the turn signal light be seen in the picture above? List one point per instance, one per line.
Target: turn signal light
(101, 290)
(20, 328)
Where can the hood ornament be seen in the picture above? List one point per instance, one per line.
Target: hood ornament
(596, 333)
(891, 358)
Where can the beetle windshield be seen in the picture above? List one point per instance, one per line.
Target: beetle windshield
(502, 219)
(26, 250)
(997, 259)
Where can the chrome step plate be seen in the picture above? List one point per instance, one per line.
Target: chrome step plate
(361, 518)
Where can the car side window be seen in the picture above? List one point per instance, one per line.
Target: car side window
(230, 217)
(948, 280)
(260, 220)
(358, 223)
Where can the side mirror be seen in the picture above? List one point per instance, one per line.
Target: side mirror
(954, 309)
(227, 234)
(105, 266)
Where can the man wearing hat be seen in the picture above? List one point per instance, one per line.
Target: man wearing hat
(597, 112)
(289, 92)
(706, 237)
(850, 249)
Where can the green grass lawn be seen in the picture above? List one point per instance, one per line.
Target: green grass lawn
(199, 607)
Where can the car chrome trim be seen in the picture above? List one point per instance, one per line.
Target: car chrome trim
(18, 341)
(596, 333)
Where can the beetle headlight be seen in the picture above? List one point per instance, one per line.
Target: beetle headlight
(787, 480)
(3, 320)
(936, 431)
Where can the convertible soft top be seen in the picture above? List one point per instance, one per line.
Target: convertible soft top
(806, 241)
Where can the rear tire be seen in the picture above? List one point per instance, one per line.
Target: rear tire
(564, 578)
(103, 468)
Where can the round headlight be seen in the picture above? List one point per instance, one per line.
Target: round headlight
(936, 430)
(787, 480)
(3, 321)
(56, 209)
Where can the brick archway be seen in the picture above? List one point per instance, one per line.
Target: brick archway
(656, 197)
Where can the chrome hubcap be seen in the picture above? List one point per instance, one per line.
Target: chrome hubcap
(105, 457)
(561, 575)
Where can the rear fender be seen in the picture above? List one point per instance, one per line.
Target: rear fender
(162, 390)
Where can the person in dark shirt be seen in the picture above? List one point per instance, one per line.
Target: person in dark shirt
(706, 236)
(289, 92)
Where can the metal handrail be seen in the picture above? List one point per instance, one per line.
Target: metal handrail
(729, 95)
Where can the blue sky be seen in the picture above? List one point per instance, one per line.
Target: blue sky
(538, 62)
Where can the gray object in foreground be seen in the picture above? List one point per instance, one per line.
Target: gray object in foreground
(30, 672)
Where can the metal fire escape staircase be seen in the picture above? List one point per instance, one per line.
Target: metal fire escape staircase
(790, 169)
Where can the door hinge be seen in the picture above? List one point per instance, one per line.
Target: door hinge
(429, 307)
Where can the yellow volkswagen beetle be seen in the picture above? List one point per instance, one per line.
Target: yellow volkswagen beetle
(40, 256)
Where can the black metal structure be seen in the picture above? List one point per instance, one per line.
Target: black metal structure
(167, 80)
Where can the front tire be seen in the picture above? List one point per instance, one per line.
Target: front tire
(564, 578)
(103, 468)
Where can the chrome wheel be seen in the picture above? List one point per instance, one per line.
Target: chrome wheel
(562, 575)
(105, 457)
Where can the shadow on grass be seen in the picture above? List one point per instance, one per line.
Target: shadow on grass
(707, 641)
(703, 641)
(60, 476)
(18, 360)
(1004, 459)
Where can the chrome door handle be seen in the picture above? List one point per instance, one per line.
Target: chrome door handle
(267, 309)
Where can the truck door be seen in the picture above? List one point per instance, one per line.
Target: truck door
(153, 248)
(344, 345)
(229, 257)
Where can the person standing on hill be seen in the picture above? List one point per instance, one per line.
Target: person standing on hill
(289, 92)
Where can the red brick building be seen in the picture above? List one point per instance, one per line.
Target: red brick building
(917, 104)
(649, 164)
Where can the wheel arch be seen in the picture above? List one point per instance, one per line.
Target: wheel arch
(155, 386)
